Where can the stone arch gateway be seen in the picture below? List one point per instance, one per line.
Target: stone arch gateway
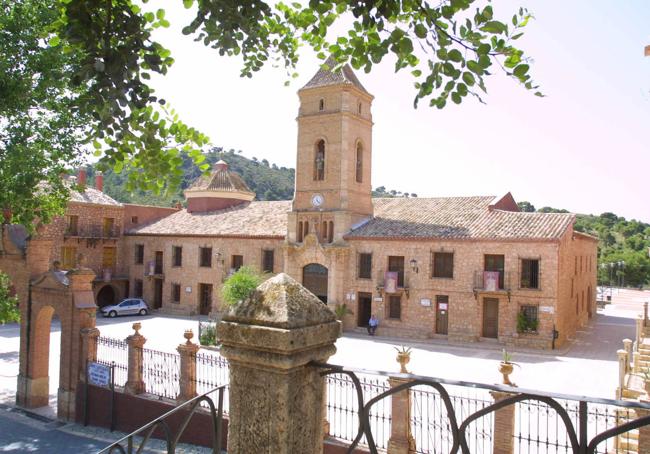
(315, 279)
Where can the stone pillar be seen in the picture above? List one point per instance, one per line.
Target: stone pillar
(644, 431)
(187, 380)
(622, 360)
(636, 365)
(401, 440)
(88, 350)
(645, 313)
(504, 426)
(276, 396)
(134, 383)
(639, 331)
(627, 346)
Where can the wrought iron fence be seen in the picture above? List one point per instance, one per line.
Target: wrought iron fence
(161, 373)
(430, 425)
(111, 350)
(212, 371)
(343, 408)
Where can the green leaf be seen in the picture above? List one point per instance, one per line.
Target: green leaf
(456, 98)
(54, 41)
(494, 26)
(455, 55)
(188, 3)
(160, 14)
(468, 78)
(521, 70)
(420, 31)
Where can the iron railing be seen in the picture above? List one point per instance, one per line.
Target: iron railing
(114, 351)
(161, 373)
(127, 444)
(212, 370)
(504, 281)
(581, 426)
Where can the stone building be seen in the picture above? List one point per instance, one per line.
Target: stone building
(462, 268)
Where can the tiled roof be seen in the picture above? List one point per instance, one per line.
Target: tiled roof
(458, 218)
(92, 195)
(248, 219)
(221, 179)
(325, 77)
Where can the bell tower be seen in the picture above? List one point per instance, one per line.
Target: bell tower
(334, 156)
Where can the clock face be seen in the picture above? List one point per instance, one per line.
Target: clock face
(317, 200)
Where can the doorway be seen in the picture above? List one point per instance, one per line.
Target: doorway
(157, 293)
(491, 317)
(205, 298)
(364, 309)
(442, 314)
(314, 279)
(496, 263)
(106, 296)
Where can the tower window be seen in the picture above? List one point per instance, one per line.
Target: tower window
(359, 108)
(321, 104)
(319, 161)
(299, 231)
(359, 166)
(330, 233)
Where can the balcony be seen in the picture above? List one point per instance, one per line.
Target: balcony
(493, 282)
(92, 232)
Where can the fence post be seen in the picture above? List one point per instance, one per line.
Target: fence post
(622, 360)
(88, 350)
(627, 346)
(269, 340)
(636, 365)
(504, 425)
(187, 380)
(401, 440)
(645, 313)
(644, 432)
(134, 383)
(639, 331)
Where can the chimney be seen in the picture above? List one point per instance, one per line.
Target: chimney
(81, 178)
(99, 181)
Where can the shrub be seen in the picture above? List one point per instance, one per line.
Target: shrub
(207, 333)
(240, 285)
(9, 311)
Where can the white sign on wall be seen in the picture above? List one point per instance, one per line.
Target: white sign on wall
(426, 302)
(99, 374)
(546, 309)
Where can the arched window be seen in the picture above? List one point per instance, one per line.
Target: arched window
(359, 166)
(359, 108)
(321, 104)
(324, 232)
(330, 233)
(299, 231)
(305, 231)
(319, 161)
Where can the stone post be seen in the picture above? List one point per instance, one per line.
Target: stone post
(401, 440)
(134, 383)
(504, 426)
(644, 431)
(88, 350)
(627, 346)
(187, 380)
(276, 396)
(639, 331)
(645, 313)
(636, 365)
(622, 360)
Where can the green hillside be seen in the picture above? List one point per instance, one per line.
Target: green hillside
(623, 248)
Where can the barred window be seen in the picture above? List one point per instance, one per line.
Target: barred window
(527, 319)
(205, 256)
(395, 306)
(443, 264)
(529, 274)
(176, 293)
(365, 266)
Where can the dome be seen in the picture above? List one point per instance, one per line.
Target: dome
(221, 189)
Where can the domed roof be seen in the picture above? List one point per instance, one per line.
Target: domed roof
(221, 189)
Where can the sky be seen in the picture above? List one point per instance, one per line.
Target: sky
(584, 147)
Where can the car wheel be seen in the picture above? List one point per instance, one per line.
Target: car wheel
(143, 312)
(112, 314)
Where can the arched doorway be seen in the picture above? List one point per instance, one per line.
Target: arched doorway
(314, 279)
(106, 296)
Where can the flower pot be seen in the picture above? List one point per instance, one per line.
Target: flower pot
(403, 358)
(506, 369)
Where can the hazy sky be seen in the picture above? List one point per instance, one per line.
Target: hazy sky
(585, 147)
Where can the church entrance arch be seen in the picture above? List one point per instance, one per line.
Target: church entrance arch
(106, 296)
(315, 279)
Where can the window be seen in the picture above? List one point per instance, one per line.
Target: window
(330, 233)
(496, 263)
(139, 254)
(134, 219)
(319, 161)
(176, 293)
(159, 262)
(443, 264)
(268, 258)
(395, 306)
(359, 167)
(109, 257)
(205, 256)
(108, 227)
(527, 321)
(137, 288)
(575, 271)
(359, 108)
(299, 232)
(321, 104)
(396, 264)
(237, 262)
(68, 257)
(177, 256)
(529, 273)
(73, 225)
(365, 266)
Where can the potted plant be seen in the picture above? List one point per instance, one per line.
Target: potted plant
(341, 310)
(506, 367)
(403, 358)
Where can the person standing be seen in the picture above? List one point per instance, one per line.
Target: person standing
(373, 323)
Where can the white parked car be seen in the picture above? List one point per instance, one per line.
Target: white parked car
(129, 306)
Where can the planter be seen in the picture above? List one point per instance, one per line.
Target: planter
(505, 369)
(403, 358)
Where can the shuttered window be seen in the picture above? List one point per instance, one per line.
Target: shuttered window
(365, 266)
(177, 256)
(205, 256)
(443, 264)
(395, 307)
